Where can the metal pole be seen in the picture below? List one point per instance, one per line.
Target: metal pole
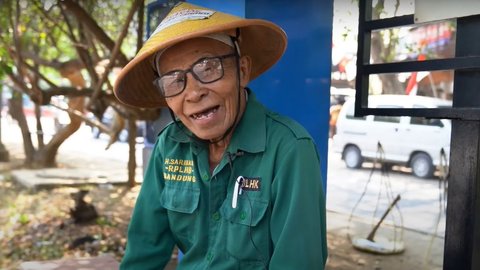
(462, 234)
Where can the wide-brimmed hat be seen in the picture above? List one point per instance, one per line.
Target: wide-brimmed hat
(263, 41)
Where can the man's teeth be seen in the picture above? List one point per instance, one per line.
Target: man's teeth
(205, 114)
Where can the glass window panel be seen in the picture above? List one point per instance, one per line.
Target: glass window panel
(389, 9)
(414, 42)
(434, 84)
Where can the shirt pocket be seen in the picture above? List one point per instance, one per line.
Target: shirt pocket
(248, 212)
(181, 200)
(182, 209)
(246, 229)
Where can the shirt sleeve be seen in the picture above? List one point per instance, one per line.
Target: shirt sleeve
(149, 239)
(298, 222)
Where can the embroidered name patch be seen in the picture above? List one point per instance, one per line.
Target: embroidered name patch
(251, 183)
(178, 170)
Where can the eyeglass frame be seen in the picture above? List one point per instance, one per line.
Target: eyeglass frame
(190, 70)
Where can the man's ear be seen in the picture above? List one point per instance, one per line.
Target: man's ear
(245, 69)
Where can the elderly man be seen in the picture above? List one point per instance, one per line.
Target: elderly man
(230, 183)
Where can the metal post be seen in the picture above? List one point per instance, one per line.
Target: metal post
(462, 235)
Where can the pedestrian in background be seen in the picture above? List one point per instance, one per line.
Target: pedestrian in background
(230, 183)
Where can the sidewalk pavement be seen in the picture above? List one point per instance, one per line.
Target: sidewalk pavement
(422, 251)
(342, 255)
(104, 262)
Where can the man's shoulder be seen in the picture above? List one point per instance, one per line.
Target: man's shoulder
(281, 124)
(167, 129)
(174, 131)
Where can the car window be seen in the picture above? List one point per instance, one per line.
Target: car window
(389, 119)
(425, 121)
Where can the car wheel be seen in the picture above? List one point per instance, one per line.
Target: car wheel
(422, 165)
(352, 157)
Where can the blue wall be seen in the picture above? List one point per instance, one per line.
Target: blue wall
(299, 84)
(231, 7)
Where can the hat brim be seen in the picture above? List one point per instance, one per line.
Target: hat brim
(263, 41)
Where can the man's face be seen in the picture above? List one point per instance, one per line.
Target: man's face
(206, 109)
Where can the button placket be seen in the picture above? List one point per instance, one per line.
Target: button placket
(216, 216)
(209, 256)
(243, 215)
(205, 177)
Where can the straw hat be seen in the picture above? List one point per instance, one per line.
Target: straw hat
(262, 40)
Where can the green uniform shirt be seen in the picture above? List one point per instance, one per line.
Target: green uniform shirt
(279, 218)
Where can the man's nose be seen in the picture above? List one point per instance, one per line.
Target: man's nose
(194, 90)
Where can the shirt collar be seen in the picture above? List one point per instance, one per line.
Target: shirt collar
(180, 133)
(250, 133)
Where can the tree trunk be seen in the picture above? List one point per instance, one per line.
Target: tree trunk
(39, 127)
(46, 157)
(4, 155)
(381, 54)
(15, 107)
(132, 163)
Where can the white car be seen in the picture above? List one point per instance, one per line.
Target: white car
(415, 142)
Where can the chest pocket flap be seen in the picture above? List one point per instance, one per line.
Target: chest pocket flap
(183, 200)
(249, 211)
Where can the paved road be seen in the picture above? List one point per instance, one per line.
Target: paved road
(420, 198)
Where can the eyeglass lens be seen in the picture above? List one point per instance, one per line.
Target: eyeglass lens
(205, 70)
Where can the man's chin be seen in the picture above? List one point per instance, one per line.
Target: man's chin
(214, 134)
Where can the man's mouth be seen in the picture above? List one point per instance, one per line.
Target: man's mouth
(205, 114)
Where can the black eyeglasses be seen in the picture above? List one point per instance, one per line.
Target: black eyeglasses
(205, 70)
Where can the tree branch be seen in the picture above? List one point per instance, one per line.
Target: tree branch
(140, 15)
(49, 18)
(19, 83)
(116, 50)
(18, 47)
(92, 121)
(86, 19)
(40, 61)
(82, 53)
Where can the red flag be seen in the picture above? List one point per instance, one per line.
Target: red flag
(411, 88)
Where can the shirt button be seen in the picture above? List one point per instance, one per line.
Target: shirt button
(243, 215)
(205, 177)
(216, 216)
